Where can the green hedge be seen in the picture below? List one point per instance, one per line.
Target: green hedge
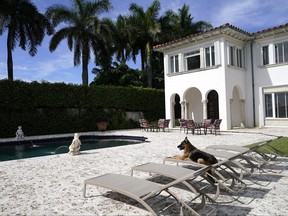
(52, 108)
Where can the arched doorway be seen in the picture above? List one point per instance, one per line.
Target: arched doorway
(177, 107)
(213, 105)
(175, 110)
(237, 109)
(193, 104)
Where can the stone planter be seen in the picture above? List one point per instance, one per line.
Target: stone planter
(102, 126)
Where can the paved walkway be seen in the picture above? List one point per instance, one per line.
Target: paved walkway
(52, 185)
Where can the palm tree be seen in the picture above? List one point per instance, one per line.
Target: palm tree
(187, 25)
(83, 29)
(147, 29)
(123, 40)
(25, 25)
(180, 25)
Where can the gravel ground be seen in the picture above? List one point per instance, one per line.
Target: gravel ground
(52, 185)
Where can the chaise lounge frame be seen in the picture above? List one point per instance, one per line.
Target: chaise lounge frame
(140, 189)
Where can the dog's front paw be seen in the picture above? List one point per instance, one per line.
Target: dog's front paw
(175, 157)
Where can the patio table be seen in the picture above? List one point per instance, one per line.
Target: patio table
(200, 126)
(154, 127)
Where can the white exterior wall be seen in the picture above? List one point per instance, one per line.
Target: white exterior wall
(240, 90)
(272, 76)
(204, 80)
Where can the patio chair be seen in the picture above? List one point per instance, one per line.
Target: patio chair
(207, 122)
(183, 124)
(214, 126)
(140, 189)
(163, 123)
(144, 124)
(191, 125)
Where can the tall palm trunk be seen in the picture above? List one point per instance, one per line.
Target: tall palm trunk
(149, 66)
(84, 66)
(123, 59)
(142, 53)
(149, 72)
(9, 56)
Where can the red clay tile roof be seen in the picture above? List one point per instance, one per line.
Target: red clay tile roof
(226, 25)
(201, 33)
(271, 29)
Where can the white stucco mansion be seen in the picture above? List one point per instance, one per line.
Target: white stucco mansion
(228, 73)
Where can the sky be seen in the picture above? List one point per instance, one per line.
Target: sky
(249, 15)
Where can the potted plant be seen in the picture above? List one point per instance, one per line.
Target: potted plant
(102, 121)
(102, 125)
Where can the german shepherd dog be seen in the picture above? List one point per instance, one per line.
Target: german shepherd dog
(195, 154)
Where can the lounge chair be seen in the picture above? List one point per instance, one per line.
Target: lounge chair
(233, 158)
(272, 152)
(235, 149)
(220, 170)
(140, 189)
(253, 153)
(175, 172)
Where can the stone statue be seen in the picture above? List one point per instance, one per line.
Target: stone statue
(19, 133)
(74, 148)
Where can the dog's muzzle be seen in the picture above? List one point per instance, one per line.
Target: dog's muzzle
(181, 146)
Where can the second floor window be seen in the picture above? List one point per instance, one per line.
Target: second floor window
(231, 56)
(281, 52)
(265, 55)
(174, 64)
(236, 56)
(192, 60)
(239, 55)
(209, 56)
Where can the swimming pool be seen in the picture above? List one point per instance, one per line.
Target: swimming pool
(27, 148)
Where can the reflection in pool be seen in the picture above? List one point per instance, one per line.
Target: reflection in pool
(20, 149)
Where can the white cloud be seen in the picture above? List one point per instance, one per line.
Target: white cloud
(52, 66)
(252, 14)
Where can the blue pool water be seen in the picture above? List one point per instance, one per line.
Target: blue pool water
(35, 148)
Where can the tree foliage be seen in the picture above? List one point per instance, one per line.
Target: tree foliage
(83, 30)
(25, 25)
(117, 75)
(88, 35)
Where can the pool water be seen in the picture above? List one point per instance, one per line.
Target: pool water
(36, 149)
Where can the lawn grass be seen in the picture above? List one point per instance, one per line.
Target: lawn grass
(280, 146)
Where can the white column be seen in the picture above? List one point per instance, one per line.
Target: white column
(242, 114)
(182, 109)
(204, 102)
(172, 119)
(181, 62)
(186, 110)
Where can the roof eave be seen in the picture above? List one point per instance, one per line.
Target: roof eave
(271, 32)
(227, 30)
